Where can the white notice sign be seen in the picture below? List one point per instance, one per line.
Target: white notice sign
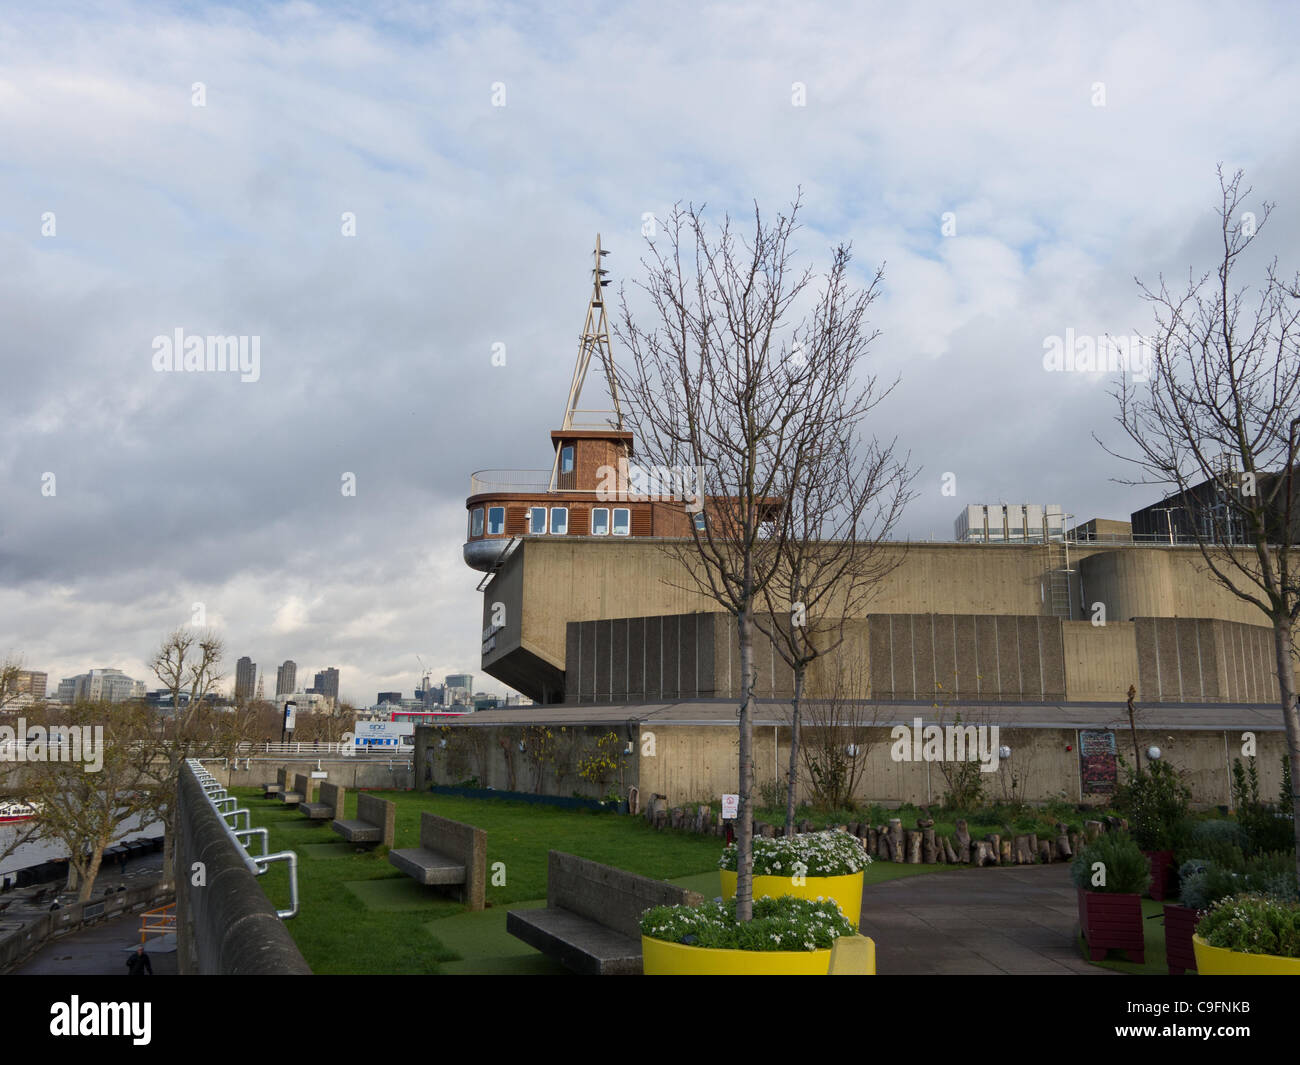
(730, 807)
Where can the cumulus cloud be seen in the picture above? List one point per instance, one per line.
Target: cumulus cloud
(473, 227)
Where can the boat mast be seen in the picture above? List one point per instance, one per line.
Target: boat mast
(593, 340)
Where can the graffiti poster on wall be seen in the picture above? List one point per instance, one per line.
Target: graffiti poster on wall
(1097, 765)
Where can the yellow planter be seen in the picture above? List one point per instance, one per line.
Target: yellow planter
(660, 958)
(845, 890)
(1220, 961)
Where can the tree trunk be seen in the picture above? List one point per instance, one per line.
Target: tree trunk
(1282, 639)
(745, 829)
(794, 753)
(92, 871)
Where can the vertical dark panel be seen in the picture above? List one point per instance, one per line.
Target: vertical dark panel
(572, 656)
(1167, 648)
(690, 624)
(588, 661)
(904, 688)
(945, 653)
(705, 660)
(672, 656)
(1051, 646)
(636, 659)
(1008, 657)
(654, 688)
(618, 667)
(1031, 673)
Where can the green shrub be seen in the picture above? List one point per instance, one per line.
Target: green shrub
(1251, 924)
(1127, 871)
(1216, 831)
(1156, 801)
(786, 923)
(1268, 875)
(1268, 826)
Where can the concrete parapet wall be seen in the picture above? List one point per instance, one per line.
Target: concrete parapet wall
(226, 926)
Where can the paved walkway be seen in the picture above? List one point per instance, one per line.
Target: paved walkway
(993, 920)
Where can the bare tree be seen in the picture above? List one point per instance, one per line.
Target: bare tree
(843, 499)
(1222, 407)
(186, 663)
(715, 389)
(843, 726)
(87, 807)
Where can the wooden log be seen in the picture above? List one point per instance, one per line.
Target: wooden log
(929, 850)
(1076, 843)
(982, 853)
(1062, 847)
(914, 847)
(995, 841)
(1020, 852)
(950, 853)
(896, 838)
(872, 837)
(1005, 847)
(963, 842)
(1046, 851)
(1091, 830)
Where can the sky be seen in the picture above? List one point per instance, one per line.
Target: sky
(378, 194)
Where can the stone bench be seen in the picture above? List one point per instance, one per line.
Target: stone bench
(304, 790)
(449, 854)
(592, 920)
(281, 785)
(330, 805)
(375, 822)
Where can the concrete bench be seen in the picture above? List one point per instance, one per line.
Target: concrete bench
(375, 822)
(330, 805)
(304, 790)
(592, 920)
(449, 854)
(281, 785)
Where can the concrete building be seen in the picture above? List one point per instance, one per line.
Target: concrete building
(27, 689)
(286, 677)
(245, 679)
(100, 685)
(327, 683)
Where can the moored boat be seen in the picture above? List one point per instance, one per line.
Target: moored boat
(12, 812)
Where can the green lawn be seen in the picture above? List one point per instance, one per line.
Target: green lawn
(358, 914)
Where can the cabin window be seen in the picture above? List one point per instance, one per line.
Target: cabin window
(537, 520)
(622, 521)
(476, 522)
(698, 518)
(566, 458)
(560, 521)
(496, 524)
(600, 521)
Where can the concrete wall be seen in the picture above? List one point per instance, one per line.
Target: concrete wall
(226, 926)
(549, 582)
(699, 763)
(362, 771)
(1101, 661)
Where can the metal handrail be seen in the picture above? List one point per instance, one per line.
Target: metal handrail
(256, 865)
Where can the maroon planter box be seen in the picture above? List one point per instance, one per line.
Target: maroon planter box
(1162, 867)
(1112, 922)
(1180, 926)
